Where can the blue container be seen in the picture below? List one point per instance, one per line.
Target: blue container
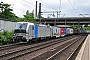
(82, 31)
(65, 31)
(35, 31)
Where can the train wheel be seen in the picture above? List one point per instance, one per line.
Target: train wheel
(29, 41)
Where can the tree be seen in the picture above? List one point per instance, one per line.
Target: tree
(39, 16)
(28, 17)
(6, 12)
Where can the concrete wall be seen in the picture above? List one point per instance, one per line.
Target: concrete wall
(7, 25)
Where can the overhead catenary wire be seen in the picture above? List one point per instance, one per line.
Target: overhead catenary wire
(32, 4)
(53, 8)
(48, 5)
(42, 4)
(76, 6)
(72, 6)
(78, 9)
(29, 2)
(26, 2)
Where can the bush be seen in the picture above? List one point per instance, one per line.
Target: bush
(5, 37)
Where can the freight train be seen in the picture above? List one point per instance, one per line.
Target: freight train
(27, 31)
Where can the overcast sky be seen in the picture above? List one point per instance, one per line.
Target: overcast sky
(68, 8)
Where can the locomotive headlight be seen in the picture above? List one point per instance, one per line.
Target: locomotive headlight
(14, 34)
(26, 34)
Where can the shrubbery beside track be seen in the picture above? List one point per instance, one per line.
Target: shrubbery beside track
(6, 37)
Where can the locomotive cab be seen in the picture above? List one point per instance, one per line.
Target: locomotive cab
(23, 31)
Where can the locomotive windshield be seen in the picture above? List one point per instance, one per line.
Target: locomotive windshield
(21, 27)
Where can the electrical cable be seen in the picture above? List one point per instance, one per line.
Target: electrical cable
(76, 6)
(32, 4)
(29, 2)
(77, 9)
(73, 7)
(48, 5)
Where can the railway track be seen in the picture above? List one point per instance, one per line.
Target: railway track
(15, 45)
(67, 52)
(18, 52)
(10, 46)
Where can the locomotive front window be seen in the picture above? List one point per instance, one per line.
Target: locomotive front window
(21, 26)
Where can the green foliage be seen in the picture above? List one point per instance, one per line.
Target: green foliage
(28, 17)
(5, 37)
(39, 16)
(80, 28)
(6, 12)
(86, 28)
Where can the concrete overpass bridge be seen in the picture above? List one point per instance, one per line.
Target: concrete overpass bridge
(66, 21)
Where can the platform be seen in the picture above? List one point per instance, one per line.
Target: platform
(84, 53)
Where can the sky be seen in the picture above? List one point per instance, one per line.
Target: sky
(68, 8)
